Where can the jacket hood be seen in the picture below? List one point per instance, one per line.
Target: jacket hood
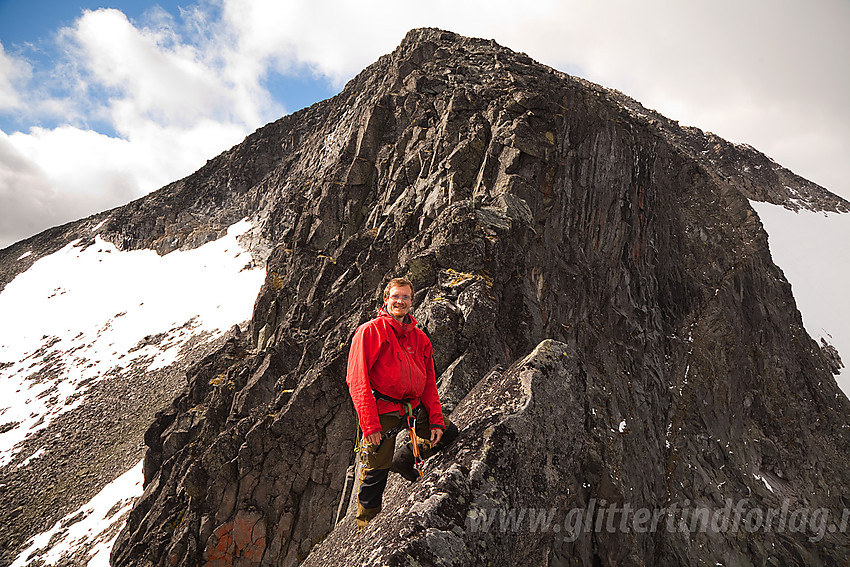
(400, 329)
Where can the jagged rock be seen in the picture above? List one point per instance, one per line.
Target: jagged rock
(536, 213)
(832, 356)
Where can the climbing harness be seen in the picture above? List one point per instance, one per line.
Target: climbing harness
(410, 423)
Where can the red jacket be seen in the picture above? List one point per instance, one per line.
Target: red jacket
(396, 360)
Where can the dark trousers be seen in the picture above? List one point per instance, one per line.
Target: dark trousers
(378, 460)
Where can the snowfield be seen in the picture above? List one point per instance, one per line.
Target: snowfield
(812, 250)
(83, 314)
(99, 521)
(79, 315)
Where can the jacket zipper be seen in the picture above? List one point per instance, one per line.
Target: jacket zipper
(407, 360)
(403, 348)
(409, 370)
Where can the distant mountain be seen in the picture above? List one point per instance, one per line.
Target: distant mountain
(609, 329)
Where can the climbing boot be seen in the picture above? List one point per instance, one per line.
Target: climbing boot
(365, 515)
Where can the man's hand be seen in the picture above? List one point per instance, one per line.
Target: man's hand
(375, 438)
(436, 435)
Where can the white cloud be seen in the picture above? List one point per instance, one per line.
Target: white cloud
(160, 77)
(25, 195)
(155, 75)
(49, 177)
(13, 72)
(170, 98)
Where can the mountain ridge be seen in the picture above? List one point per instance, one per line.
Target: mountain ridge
(775, 184)
(462, 169)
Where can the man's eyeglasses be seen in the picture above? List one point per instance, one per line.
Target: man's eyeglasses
(400, 297)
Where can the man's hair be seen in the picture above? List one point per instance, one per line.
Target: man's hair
(398, 282)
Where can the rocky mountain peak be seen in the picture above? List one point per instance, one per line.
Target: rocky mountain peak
(608, 329)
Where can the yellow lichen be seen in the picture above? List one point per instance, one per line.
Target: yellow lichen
(275, 281)
(462, 277)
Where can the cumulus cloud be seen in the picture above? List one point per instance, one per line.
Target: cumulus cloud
(33, 198)
(167, 101)
(83, 172)
(52, 176)
(155, 75)
(25, 195)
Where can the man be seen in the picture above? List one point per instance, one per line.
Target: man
(391, 371)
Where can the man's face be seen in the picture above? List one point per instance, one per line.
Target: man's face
(399, 300)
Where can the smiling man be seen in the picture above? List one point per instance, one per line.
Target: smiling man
(392, 383)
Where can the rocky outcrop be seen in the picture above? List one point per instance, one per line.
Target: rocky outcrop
(528, 418)
(741, 166)
(607, 323)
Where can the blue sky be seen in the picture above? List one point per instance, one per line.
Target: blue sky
(101, 103)
(29, 27)
(30, 21)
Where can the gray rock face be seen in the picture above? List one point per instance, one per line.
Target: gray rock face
(608, 326)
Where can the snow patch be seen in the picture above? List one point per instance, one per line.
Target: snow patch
(764, 480)
(97, 523)
(31, 458)
(113, 309)
(25, 254)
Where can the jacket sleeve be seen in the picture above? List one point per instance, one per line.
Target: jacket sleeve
(365, 347)
(430, 398)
